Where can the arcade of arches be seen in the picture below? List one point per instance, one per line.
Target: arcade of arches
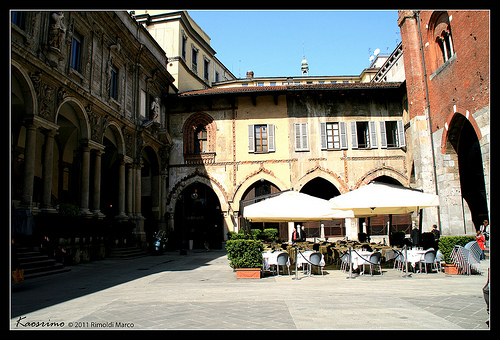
(57, 160)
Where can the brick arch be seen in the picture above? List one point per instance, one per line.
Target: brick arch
(382, 171)
(468, 116)
(189, 131)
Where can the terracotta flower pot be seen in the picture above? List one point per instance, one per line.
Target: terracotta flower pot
(450, 269)
(248, 273)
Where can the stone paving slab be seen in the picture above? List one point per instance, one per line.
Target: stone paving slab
(200, 291)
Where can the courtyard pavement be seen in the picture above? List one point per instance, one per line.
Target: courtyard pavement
(199, 291)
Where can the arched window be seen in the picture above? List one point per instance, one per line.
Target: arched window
(442, 37)
(199, 134)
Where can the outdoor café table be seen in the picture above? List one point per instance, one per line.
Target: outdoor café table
(360, 257)
(414, 256)
(303, 258)
(270, 258)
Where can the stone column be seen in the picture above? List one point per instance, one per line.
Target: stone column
(48, 166)
(130, 190)
(96, 200)
(138, 189)
(85, 180)
(29, 164)
(121, 190)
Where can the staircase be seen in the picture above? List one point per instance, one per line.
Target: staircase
(125, 253)
(35, 264)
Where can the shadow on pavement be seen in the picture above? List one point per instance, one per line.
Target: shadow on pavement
(88, 278)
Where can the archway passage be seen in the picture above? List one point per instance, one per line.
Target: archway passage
(198, 217)
(260, 188)
(320, 187)
(377, 225)
(464, 140)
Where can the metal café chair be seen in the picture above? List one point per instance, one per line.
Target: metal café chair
(429, 258)
(282, 260)
(374, 261)
(314, 260)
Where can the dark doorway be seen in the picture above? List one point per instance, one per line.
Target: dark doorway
(464, 140)
(257, 189)
(198, 217)
(320, 187)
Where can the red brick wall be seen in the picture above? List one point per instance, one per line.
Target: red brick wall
(462, 81)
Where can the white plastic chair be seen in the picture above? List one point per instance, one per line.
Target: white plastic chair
(429, 258)
(282, 260)
(315, 260)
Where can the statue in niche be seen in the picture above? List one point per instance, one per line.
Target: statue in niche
(57, 30)
(155, 108)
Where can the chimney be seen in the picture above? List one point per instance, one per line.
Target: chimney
(250, 74)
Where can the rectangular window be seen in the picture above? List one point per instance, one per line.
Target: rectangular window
(144, 104)
(113, 89)
(392, 134)
(261, 138)
(76, 52)
(200, 145)
(333, 136)
(301, 142)
(206, 69)
(364, 135)
(17, 19)
(194, 59)
(184, 47)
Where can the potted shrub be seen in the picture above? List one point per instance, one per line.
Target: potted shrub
(446, 245)
(245, 256)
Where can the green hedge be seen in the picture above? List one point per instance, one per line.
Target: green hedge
(244, 253)
(447, 243)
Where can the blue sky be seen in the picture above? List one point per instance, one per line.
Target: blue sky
(270, 43)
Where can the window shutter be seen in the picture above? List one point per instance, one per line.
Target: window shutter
(383, 136)
(251, 139)
(373, 134)
(322, 129)
(401, 134)
(354, 136)
(270, 138)
(298, 140)
(305, 141)
(343, 135)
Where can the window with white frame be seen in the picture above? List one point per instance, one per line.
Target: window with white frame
(301, 138)
(364, 135)
(333, 135)
(261, 138)
(392, 134)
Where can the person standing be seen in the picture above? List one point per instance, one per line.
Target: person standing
(486, 234)
(415, 236)
(480, 241)
(295, 235)
(303, 234)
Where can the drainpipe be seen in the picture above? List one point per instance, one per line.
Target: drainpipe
(417, 16)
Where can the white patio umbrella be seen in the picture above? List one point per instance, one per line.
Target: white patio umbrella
(293, 206)
(381, 198)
